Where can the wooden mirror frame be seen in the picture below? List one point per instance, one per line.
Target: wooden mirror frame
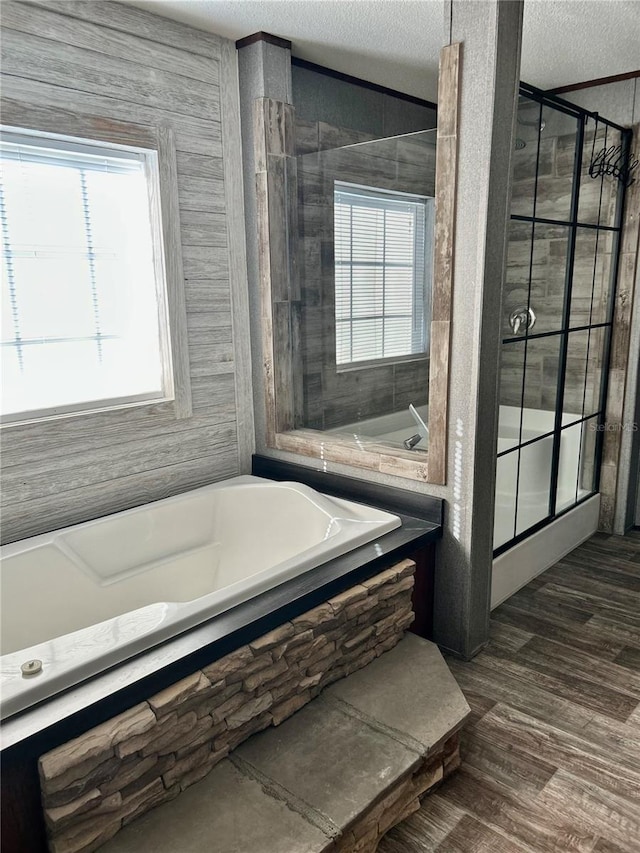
(277, 216)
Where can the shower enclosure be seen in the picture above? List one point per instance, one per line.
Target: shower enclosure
(557, 312)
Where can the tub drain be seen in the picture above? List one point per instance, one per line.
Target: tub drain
(31, 667)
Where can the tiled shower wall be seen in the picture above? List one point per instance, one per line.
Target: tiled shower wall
(332, 398)
(545, 263)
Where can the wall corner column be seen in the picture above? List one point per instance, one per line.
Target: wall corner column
(264, 64)
(490, 32)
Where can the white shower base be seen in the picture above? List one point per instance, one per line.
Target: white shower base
(538, 552)
(532, 482)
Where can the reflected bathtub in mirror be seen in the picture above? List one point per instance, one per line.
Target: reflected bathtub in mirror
(406, 429)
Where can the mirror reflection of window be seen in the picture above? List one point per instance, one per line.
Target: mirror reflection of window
(382, 274)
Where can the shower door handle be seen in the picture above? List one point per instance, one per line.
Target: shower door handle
(521, 320)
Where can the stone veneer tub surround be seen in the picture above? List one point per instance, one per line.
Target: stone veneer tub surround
(377, 741)
(28, 735)
(105, 778)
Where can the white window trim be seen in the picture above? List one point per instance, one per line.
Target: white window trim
(157, 146)
(375, 193)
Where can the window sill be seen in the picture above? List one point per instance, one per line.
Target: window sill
(132, 409)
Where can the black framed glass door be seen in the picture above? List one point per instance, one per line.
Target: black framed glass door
(558, 306)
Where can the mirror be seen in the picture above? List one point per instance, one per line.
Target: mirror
(355, 254)
(365, 238)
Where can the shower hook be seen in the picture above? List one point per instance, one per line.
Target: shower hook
(615, 162)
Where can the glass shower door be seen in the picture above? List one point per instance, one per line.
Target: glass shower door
(557, 315)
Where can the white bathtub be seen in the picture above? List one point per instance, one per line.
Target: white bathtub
(87, 597)
(391, 429)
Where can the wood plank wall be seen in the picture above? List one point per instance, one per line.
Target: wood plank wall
(115, 63)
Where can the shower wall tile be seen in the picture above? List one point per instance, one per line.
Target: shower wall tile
(310, 184)
(511, 376)
(357, 166)
(548, 398)
(356, 394)
(414, 150)
(580, 310)
(306, 136)
(553, 200)
(330, 136)
(519, 230)
(409, 388)
(405, 117)
(525, 164)
(565, 155)
(312, 384)
(574, 389)
(313, 335)
(523, 265)
(511, 367)
(316, 223)
(313, 410)
(517, 295)
(310, 253)
(597, 201)
(421, 179)
(311, 292)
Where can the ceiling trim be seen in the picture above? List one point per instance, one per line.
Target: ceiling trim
(600, 81)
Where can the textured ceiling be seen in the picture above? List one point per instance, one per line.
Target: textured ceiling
(395, 42)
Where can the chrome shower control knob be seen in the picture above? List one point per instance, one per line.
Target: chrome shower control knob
(31, 667)
(522, 319)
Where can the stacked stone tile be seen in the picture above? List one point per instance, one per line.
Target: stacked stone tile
(333, 778)
(104, 779)
(401, 802)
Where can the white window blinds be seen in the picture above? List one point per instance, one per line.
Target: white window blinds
(380, 274)
(80, 307)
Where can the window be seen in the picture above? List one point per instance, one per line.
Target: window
(83, 294)
(381, 279)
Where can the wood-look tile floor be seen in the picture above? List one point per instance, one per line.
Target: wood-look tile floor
(551, 755)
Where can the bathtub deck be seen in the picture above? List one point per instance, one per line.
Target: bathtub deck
(551, 756)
